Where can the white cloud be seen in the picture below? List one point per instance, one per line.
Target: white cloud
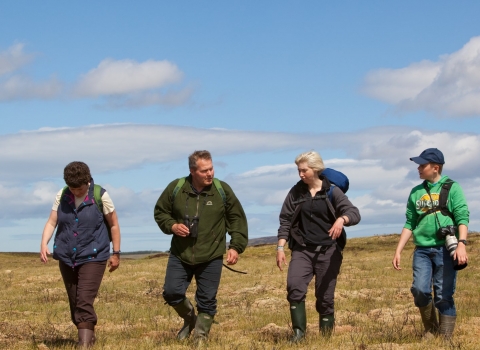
(16, 86)
(449, 87)
(377, 164)
(122, 83)
(21, 87)
(127, 76)
(13, 58)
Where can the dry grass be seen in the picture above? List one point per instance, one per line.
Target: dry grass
(374, 308)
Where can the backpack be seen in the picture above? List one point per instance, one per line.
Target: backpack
(216, 182)
(442, 201)
(336, 178)
(97, 196)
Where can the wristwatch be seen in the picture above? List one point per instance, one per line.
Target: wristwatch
(464, 241)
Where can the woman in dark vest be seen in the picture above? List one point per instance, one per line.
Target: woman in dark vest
(82, 244)
(313, 227)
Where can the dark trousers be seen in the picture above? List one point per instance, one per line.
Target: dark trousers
(178, 278)
(82, 284)
(324, 265)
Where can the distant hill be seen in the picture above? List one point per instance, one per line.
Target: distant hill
(262, 241)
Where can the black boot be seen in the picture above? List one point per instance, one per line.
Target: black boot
(299, 321)
(327, 323)
(86, 338)
(186, 311)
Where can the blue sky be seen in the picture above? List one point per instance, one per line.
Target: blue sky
(133, 89)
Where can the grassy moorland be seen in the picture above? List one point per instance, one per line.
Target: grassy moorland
(373, 303)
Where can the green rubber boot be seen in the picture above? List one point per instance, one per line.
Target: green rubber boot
(429, 318)
(202, 327)
(327, 322)
(186, 311)
(299, 321)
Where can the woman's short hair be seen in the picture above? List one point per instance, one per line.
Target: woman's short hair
(77, 174)
(192, 158)
(313, 159)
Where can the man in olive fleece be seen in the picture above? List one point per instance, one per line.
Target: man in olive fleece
(199, 217)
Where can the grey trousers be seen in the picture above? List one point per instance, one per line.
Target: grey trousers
(82, 284)
(324, 265)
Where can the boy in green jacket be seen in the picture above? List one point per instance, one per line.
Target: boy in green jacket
(432, 262)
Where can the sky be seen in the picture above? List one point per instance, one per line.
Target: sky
(132, 89)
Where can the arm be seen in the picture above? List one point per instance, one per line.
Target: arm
(346, 213)
(285, 217)
(236, 224)
(461, 252)
(281, 259)
(112, 221)
(164, 213)
(47, 235)
(404, 237)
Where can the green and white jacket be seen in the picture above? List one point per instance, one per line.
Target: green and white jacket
(424, 232)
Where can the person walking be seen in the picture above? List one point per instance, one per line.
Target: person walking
(198, 211)
(82, 244)
(313, 226)
(435, 263)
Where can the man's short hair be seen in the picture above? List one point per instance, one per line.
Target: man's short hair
(192, 158)
(313, 160)
(77, 174)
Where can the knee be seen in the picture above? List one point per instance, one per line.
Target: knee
(420, 298)
(172, 297)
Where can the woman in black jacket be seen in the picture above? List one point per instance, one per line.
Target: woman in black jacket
(313, 227)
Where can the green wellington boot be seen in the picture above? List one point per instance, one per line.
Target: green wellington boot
(202, 327)
(186, 311)
(429, 318)
(299, 321)
(327, 322)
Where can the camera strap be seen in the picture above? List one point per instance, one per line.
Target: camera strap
(425, 185)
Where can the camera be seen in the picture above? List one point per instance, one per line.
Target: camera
(451, 243)
(192, 224)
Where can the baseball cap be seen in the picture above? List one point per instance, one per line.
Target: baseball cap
(430, 155)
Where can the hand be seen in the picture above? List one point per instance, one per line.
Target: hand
(336, 230)
(114, 262)
(460, 254)
(396, 262)
(281, 259)
(43, 253)
(180, 230)
(232, 257)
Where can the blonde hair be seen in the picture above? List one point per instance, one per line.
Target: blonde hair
(313, 160)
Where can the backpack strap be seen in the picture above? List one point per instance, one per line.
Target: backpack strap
(442, 201)
(177, 188)
(98, 191)
(330, 193)
(97, 195)
(220, 190)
